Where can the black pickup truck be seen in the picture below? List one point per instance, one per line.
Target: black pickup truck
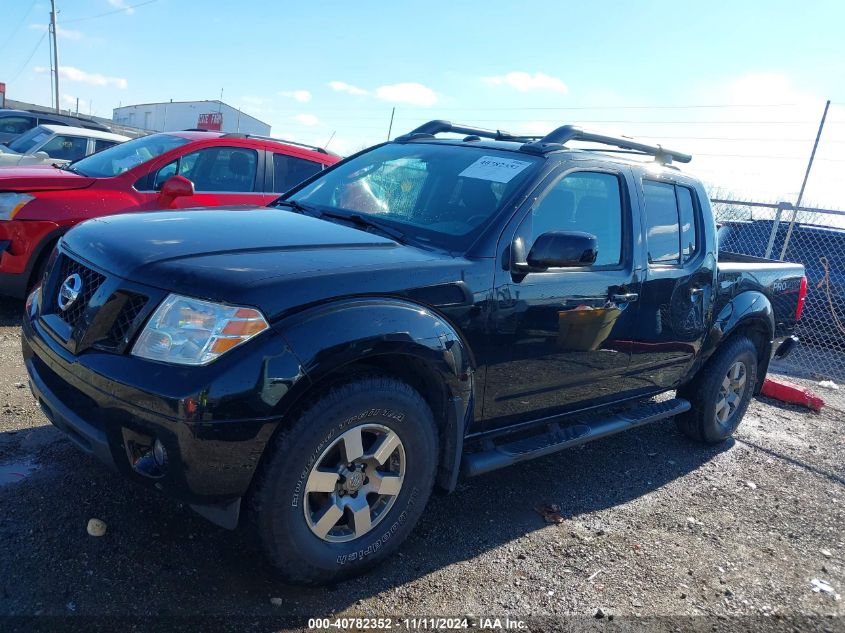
(428, 308)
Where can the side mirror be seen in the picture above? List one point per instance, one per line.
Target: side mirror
(41, 155)
(560, 249)
(175, 187)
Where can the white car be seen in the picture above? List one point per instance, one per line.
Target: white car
(55, 145)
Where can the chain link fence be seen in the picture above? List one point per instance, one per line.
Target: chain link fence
(815, 238)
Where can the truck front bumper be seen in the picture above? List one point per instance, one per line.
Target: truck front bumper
(211, 456)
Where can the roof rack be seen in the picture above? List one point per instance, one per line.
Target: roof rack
(439, 126)
(322, 150)
(551, 142)
(556, 139)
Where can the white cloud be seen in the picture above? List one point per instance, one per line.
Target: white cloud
(307, 119)
(342, 86)
(92, 79)
(524, 82)
(67, 34)
(408, 92)
(303, 96)
(122, 4)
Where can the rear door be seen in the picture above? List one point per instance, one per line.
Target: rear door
(556, 334)
(676, 300)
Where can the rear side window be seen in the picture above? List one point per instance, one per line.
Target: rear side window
(671, 235)
(101, 144)
(289, 171)
(585, 201)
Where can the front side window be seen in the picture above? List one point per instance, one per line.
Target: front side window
(441, 194)
(670, 216)
(120, 158)
(63, 147)
(590, 202)
(289, 171)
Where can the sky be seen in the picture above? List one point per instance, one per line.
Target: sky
(741, 85)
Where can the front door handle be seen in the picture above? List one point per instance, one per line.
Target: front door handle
(627, 297)
(696, 292)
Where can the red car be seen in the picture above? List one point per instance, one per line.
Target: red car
(173, 170)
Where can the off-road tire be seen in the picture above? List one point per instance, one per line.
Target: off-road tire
(276, 506)
(703, 392)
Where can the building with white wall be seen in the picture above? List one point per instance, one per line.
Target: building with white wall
(184, 115)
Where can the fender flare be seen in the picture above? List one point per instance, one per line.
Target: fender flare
(330, 336)
(747, 309)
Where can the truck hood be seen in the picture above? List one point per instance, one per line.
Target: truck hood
(41, 178)
(269, 258)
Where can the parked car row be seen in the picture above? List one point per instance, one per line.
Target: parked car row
(430, 308)
(56, 145)
(13, 123)
(161, 171)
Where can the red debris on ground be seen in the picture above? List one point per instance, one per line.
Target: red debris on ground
(792, 393)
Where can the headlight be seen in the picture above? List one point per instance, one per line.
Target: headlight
(11, 203)
(187, 331)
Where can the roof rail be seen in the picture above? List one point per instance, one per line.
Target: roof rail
(440, 126)
(556, 139)
(322, 150)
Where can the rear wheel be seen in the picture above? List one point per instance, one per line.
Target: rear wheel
(720, 392)
(345, 485)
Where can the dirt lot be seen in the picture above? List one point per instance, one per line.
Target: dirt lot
(651, 526)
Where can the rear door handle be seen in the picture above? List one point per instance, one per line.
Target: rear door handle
(624, 298)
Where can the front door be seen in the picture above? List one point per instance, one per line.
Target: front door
(221, 175)
(557, 333)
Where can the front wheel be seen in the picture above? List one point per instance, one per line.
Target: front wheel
(720, 392)
(347, 482)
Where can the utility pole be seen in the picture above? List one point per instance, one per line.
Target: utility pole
(55, 52)
(804, 183)
(390, 127)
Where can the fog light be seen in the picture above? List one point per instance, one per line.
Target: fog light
(159, 453)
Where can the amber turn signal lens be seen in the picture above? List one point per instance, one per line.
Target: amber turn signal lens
(224, 345)
(244, 328)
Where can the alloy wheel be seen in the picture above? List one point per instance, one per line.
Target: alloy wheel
(354, 483)
(730, 393)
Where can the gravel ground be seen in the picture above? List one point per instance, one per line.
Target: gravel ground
(650, 526)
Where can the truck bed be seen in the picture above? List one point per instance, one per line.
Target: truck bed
(779, 281)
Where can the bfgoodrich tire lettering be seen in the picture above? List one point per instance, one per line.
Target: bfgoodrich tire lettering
(382, 408)
(720, 392)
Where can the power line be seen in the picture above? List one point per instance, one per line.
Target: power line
(102, 15)
(19, 25)
(28, 59)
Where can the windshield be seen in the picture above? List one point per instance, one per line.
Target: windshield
(118, 159)
(440, 194)
(28, 140)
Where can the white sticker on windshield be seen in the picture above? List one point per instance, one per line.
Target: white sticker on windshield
(494, 168)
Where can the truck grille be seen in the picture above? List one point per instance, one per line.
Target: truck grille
(122, 326)
(91, 282)
(105, 316)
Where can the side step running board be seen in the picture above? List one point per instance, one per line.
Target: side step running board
(557, 438)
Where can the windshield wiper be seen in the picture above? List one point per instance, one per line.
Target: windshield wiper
(368, 223)
(297, 206)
